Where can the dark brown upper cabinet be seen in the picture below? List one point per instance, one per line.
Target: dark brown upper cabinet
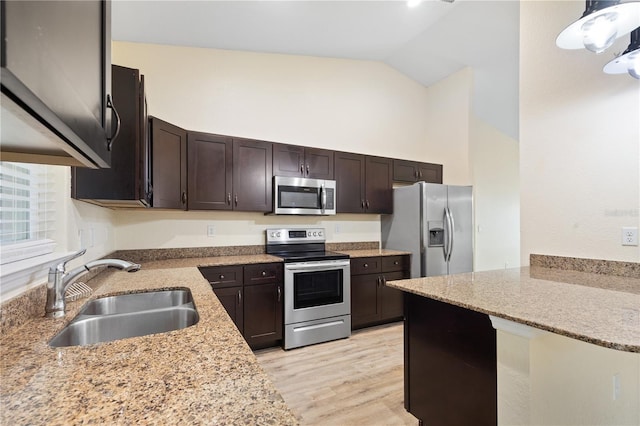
(127, 182)
(299, 161)
(210, 164)
(363, 183)
(56, 82)
(252, 175)
(412, 171)
(169, 165)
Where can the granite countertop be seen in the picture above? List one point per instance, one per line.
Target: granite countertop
(599, 309)
(373, 252)
(205, 373)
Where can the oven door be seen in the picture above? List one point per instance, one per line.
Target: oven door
(316, 290)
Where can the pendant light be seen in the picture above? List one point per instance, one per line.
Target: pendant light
(602, 22)
(629, 60)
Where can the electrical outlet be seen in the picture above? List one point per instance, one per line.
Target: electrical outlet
(337, 228)
(629, 236)
(211, 230)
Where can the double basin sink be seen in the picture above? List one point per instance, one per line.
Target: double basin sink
(129, 315)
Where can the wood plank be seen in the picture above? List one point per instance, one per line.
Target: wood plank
(353, 381)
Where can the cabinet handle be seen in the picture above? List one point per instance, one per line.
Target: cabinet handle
(384, 280)
(366, 203)
(302, 169)
(229, 198)
(222, 277)
(420, 174)
(416, 174)
(239, 297)
(118, 122)
(264, 274)
(396, 262)
(236, 199)
(362, 204)
(307, 170)
(366, 265)
(378, 281)
(279, 293)
(184, 197)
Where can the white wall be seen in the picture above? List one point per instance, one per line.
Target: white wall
(167, 229)
(579, 143)
(494, 167)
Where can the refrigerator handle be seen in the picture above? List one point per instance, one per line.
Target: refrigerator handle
(447, 234)
(451, 227)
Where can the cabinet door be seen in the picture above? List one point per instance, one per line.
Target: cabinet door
(263, 308)
(288, 160)
(430, 172)
(210, 171)
(365, 308)
(349, 173)
(379, 185)
(318, 163)
(56, 61)
(231, 299)
(252, 175)
(169, 165)
(405, 171)
(391, 299)
(123, 181)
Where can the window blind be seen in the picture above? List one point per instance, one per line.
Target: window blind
(27, 211)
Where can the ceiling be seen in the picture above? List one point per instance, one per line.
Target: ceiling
(426, 43)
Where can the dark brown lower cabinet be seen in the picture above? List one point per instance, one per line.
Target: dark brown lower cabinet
(253, 296)
(263, 305)
(450, 364)
(372, 302)
(231, 299)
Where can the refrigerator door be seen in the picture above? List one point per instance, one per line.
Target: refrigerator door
(434, 202)
(460, 204)
(401, 230)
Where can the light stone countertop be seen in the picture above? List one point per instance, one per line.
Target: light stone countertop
(599, 309)
(373, 253)
(204, 374)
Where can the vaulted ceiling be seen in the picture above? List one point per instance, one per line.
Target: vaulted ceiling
(426, 43)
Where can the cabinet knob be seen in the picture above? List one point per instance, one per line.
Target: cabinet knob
(222, 277)
(366, 265)
(264, 274)
(396, 263)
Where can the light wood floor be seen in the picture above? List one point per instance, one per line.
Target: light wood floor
(355, 381)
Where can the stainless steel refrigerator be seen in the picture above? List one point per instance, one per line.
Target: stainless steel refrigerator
(435, 223)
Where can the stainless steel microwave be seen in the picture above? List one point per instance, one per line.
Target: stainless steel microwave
(302, 196)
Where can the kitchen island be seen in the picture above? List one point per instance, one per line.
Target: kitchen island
(567, 342)
(203, 374)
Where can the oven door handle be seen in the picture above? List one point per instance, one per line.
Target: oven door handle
(317, 266)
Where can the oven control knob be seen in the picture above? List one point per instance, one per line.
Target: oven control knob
(319, 233)
(315, 234)
(278, 234)
(309, 234)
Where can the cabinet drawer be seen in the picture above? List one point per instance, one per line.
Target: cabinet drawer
(223, 276)
(365, 265)
(395, 263)
(263, 273)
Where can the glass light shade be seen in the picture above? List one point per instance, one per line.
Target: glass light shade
(599, 33)
(633, 67)
(626, 20)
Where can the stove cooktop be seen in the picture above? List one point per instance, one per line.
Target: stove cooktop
(310, 256)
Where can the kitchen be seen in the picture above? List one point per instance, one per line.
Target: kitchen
(559, 163)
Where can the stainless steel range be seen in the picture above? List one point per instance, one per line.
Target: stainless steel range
(317, 287)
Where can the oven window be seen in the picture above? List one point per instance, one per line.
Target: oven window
(317, 288)
(296, 197)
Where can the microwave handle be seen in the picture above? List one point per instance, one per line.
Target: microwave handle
(323, 197)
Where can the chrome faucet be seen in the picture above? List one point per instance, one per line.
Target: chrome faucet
(59, 280)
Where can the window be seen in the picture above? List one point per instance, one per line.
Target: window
(27, 211)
